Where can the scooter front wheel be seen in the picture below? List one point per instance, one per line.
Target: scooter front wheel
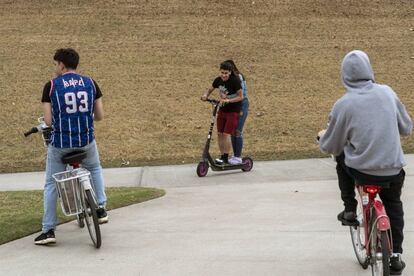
(247, 164)
(202, 169)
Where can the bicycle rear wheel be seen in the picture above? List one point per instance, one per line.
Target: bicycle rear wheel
(358, 236)
(91, 219)
(380, 254)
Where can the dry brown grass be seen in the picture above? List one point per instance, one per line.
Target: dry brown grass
(153, 59)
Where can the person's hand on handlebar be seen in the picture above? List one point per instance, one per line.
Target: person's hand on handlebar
(320, 134)
(204, 97)
(207, 93)
(223, 101)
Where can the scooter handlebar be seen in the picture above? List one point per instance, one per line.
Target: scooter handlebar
(212, 101)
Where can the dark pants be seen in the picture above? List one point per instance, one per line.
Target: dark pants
(391, 197)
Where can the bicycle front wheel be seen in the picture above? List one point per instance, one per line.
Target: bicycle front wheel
(91, 219)
(381, 254)
(79, 218)
(358, 237)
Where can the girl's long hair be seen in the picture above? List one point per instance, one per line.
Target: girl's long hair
(233, 65)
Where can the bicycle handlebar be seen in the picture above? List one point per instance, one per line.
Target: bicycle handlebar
(31, 131)
(42, 128)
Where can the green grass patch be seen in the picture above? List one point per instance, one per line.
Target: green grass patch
(21, 211)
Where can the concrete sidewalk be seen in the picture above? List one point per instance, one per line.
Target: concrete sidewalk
(279, 219)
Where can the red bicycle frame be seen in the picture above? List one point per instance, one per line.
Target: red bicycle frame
(370, 204)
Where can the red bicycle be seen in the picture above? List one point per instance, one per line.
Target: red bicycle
(372, 238)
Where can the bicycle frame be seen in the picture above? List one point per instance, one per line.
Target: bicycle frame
(88, 206)
(84, 181)
(373, 208)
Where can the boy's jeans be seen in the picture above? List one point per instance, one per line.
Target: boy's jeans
(54, 165)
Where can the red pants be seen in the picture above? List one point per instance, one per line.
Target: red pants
(227, 122)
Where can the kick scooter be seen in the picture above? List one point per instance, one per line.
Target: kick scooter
(206, 159)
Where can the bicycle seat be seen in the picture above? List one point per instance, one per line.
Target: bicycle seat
(362, 179)
(74, 157)
(385, 184)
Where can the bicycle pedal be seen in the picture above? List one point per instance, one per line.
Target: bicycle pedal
(350, 223)
(345, 222)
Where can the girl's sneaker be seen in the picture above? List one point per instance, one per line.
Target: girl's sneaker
(235, 160)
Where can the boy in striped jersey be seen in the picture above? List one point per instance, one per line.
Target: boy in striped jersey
(71, 104)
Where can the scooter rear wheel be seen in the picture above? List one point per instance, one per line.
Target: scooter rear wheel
(247, 164)
(202, 169)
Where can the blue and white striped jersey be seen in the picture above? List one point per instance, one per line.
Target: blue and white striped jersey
(72, 97)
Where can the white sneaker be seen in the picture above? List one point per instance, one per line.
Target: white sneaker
(219, 161)
(235, 160)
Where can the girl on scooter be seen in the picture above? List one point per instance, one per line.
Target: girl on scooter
(237, 138)
(231, 95)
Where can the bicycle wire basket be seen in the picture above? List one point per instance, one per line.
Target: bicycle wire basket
(69, 189)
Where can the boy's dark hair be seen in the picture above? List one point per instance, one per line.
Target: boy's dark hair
(68, 56)
(227, 66)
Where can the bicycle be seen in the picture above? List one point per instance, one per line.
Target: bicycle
(74, 187)
(372, 237)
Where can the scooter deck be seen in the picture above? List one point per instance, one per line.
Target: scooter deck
(225, 167)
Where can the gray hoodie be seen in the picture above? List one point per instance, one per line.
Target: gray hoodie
(367, 121)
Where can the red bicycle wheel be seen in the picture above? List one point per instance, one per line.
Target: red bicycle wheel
(380, 253)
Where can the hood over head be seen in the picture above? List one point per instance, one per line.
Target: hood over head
(356, 70)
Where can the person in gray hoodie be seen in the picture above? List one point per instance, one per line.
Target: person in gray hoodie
(363, 134)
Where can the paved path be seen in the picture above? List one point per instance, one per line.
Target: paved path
(278, 219)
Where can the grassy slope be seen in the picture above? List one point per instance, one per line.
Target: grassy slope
(153, 59)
